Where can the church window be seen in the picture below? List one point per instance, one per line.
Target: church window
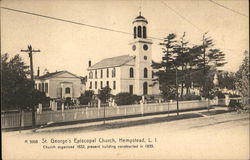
(145, 57)
(101, 84)
(134, 32)
(107, 73)
(139, 31)
(90, 85)
(114, 85)
(131, 72)
(42, 87)
(113, 72)
(144, 32)
(90, 75)
(131, 89)
(67, 90)
(152, 74)
(95, 85)
(145, 73)
(145, 88)
(46, 87)
(95, 73)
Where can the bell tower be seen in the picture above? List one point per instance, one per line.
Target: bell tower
(141, 49)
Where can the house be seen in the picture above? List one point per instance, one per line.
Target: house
(59, 85)
(130, 73)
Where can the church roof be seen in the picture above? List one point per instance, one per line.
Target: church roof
(53, 74)
(140, 18)
(112, 62)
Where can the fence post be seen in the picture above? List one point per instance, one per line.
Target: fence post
(87, 112)
(22, 119)
(142, 107)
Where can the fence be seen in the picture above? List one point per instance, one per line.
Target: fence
(12, 120)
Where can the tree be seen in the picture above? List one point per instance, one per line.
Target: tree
(193, 64)
(242, 79)
(17, 89)
(209, 59)
(104, 94)
(182, 60)
(165, 68)
(227, 80)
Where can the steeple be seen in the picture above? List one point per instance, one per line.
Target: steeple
(140, 29)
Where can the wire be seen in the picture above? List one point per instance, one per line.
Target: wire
(181, 16)
(87, 25)
(228, 8)
(73, 22)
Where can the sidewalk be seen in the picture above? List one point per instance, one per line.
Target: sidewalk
(132, 121)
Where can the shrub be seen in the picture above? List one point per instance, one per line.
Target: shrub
(125, 98)
(220, 94)
(85, 98)
(235, 105)
(234, 96)
(190, 97)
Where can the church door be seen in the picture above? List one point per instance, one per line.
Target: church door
(145, 88)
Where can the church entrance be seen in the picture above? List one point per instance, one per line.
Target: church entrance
(145, 88)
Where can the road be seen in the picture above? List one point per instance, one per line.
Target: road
(192, 135)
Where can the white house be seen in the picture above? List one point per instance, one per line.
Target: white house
(59, 85)
(127, 73)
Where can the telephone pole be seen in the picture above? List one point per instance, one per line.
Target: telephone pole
(204, 61)
(30, 52)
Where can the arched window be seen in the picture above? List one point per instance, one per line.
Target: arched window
(67, 90)
(139, 31)
(131, 72)
(144, 32)
(145, 88)
(134, 32)
(145, 73)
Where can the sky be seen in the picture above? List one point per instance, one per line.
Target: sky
(66, 46)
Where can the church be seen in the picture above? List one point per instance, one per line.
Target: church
(130, 73)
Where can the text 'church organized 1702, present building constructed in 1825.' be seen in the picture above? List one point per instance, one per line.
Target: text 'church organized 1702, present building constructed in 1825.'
(130, 73)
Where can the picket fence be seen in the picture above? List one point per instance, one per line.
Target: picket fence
(24, 119)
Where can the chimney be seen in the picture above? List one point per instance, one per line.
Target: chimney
(89, 63)
(38, 72)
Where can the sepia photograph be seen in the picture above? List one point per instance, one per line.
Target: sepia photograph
(125, 79)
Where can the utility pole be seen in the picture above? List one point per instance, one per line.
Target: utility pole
(204, 61)
(182, 65)
(30, 52)
(177, 87)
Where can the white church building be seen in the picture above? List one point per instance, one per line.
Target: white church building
(130, 73)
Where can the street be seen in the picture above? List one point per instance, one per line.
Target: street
(194, 135)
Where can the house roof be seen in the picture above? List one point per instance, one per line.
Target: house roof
(112, 62)
(53, 74)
